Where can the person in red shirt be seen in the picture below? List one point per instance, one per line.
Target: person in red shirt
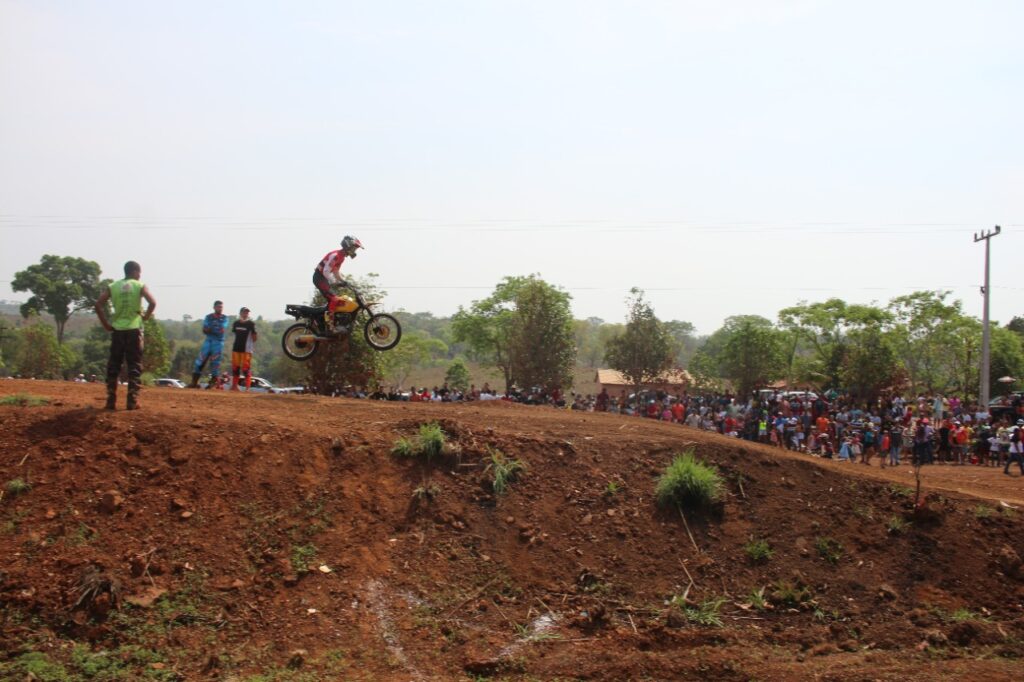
(328, 271)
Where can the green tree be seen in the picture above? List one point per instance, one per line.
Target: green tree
(486, 327)
(417, 349)
(871, 365)
(156, 351)
(747, 350)
(61, 286)
(926, 326)
(684, 341)
(96, 351)
(10, 343)
(541, 344)
(643, 351)
(1007, 358)
(1016, 325)
(824, 328)
(457, 376)
(349, 362)
(39, 353)
(183, 360)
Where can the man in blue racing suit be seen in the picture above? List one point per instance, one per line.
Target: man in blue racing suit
(213, 346)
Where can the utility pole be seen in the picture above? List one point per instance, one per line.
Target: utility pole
(985, 359)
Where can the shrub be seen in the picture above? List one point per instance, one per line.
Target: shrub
(983, 511)
(759, 551)
(688, 482)
(829, 549)
(505, 470)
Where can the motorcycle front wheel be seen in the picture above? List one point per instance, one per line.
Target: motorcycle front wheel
(299, 342)
(382, 332)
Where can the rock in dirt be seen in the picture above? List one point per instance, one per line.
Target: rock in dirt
(111, 501)
(297, 658)
(146, 598)
(483, 666)
(178, 503)
(178, 458)
(886, 591)
(1009, 562)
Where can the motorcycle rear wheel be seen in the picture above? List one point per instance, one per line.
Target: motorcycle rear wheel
(295, 346)
(382, 331)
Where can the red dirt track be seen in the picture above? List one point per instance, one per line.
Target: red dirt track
(197, 514)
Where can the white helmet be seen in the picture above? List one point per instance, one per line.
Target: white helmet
(349, 246)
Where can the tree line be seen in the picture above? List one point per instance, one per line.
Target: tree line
(922, 342)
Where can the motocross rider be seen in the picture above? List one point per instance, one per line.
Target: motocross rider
(328, 272)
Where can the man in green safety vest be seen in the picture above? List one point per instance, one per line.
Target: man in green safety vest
(126, 326)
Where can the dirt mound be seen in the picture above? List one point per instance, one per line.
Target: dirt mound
(227, 536)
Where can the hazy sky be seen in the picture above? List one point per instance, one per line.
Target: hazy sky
(728, 156)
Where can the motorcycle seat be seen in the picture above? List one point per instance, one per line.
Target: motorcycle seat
(305, 310)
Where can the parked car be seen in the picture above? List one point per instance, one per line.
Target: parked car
(261, 385)
(167, 382)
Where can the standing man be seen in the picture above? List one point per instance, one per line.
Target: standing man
(126, 326)
(244, 330)
(213, 345)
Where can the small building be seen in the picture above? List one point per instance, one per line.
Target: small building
(673, 382)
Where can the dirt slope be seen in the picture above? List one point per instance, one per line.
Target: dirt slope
(185, 540)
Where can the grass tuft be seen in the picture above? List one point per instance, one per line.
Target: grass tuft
(429, 443)
(705, 613)
(897, 525)
(688, 482)
(829, 549)
(758, 599)
(504, 469)
(24, 400)
(759, 551)
(18, 486)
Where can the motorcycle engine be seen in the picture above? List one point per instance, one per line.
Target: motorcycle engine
(343, 322)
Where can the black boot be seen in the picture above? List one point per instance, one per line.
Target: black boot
(111, 397)
(133, 396)
(195, 381)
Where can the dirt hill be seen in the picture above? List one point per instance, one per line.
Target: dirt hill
(236, 537)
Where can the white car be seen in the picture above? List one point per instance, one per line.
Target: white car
(168, 382)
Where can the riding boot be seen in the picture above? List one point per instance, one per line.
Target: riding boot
(111, 396)
(195, 381)
(134, 385)
(234, 382)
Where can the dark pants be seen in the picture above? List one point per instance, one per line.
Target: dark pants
(125, 347)
(1014, 457)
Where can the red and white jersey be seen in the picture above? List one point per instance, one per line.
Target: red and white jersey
(331, 263)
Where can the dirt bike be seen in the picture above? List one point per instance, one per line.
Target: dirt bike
(302, 340)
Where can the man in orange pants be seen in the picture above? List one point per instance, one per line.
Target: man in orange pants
(241, 352)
